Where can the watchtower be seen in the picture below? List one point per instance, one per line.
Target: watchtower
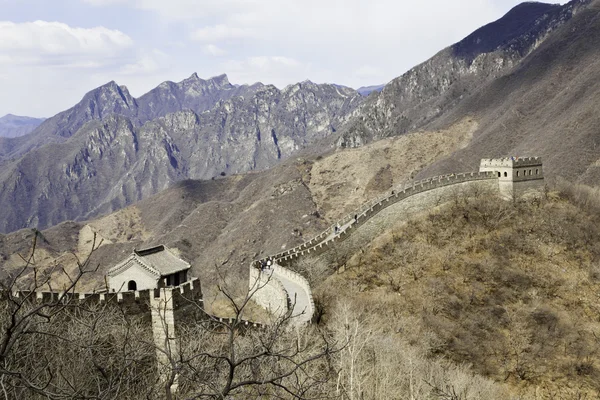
(517, 176)
(148, 269)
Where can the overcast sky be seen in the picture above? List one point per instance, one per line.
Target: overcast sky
(54, 51)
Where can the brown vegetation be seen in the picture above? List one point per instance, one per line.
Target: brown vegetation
(509, 288)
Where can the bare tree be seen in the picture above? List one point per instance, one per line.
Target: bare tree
(220, 358)
(59, 347)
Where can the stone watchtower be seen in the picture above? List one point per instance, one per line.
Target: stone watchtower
(517, 176)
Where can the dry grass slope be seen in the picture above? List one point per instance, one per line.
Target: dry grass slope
(509, 288)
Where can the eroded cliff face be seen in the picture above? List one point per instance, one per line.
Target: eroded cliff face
(112, 149)
(424, 94)
(119, 155)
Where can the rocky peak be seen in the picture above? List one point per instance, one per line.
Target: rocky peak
(517, 31)
(108, 99)
(221, 81)
(308, 84)
(430, 90)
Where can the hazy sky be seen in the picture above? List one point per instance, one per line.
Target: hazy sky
(54, 51)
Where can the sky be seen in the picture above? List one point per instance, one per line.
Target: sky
(54, 51)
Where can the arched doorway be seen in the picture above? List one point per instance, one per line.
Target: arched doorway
(132, 285)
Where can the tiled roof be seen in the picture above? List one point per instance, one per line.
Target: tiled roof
(158, 260)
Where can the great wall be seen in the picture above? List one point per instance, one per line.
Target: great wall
(284, 292)
(507, 177)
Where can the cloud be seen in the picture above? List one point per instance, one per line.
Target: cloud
(214, 50)
(57, 43)
(147, 63)
(279, 70)
(219, 33)
(338, 37)
(186, 9)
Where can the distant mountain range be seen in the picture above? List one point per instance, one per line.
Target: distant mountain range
(12, 126)
(111, 149)
(367, 90)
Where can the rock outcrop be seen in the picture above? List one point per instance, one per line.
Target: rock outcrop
(111, 149)
(428, 92)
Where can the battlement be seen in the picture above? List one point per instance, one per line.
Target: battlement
(188, 290)
(517, 177)
(511, 162)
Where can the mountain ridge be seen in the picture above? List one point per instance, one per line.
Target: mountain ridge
(431, 89)
(242, 128)
(106, 160)
(12, 126)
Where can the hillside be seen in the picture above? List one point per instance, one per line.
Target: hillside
(508, 288)
(546, 106)
(436, 87)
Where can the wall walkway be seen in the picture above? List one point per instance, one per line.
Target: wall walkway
(409, 198)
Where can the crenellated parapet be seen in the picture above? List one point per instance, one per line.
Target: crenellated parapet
(190, 290)
(513, 176)
(517, 176)
(511, 162)
(327, 238)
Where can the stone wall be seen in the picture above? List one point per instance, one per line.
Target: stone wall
(308, 309)
(372, 219)
(354, 220)
(168, 309)
(163, 332)
(268, 292)
(358, 237)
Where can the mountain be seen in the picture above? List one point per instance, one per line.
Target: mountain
(111, 150)
(13, 125)
(428, 92)
(192, 93)
(367, 90)
(547, 106)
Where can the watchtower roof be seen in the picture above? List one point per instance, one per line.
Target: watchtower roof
(158, 260)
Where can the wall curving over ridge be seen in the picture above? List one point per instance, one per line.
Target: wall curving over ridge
(359, 228)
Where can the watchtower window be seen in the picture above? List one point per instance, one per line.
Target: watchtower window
(537, 171)
(529, 172)
(499, 175)
(517, 173)
(131, 285)
(505, 174)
